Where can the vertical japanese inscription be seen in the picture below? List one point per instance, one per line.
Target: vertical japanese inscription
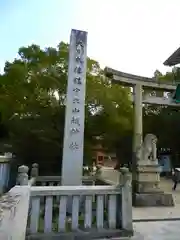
(74, 123)
(77, 83)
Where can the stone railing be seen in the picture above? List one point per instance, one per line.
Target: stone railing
(81, 211)
(38, 212)
(56, 180)
(14, 208)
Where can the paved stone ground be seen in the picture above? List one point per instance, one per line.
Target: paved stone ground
(159, 230)
(155, 231)
(161, 212)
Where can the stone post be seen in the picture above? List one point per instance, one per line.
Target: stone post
(126, 206)
(125, 176)
(35, 170)
(22, 178)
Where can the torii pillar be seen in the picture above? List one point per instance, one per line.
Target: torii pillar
(145, 176)
(137, 135)
(138, 121)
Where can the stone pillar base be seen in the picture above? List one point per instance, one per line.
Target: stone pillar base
(148, 192)
(148, 178)
(153, 200)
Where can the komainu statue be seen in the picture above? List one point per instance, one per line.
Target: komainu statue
(147, 152)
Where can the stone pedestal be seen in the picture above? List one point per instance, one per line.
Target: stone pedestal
(148, 192)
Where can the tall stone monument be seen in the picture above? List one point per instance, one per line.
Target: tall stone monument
(72, 164)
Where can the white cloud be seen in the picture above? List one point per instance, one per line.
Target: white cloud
(132, 36)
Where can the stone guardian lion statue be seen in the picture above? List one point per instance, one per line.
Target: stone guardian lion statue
(147, 152)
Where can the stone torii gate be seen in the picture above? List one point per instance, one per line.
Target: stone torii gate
(143, 92)
(146, 173)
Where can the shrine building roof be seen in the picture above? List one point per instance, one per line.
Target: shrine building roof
(174, 59)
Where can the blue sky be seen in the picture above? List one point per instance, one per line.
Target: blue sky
(131, 36)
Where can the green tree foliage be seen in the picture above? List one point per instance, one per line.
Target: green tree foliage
(32, 105)
(172, 76)
(164, 121)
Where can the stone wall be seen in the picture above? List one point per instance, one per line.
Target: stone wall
(14, 207)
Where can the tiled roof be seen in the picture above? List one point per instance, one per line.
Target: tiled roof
(174, 59)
